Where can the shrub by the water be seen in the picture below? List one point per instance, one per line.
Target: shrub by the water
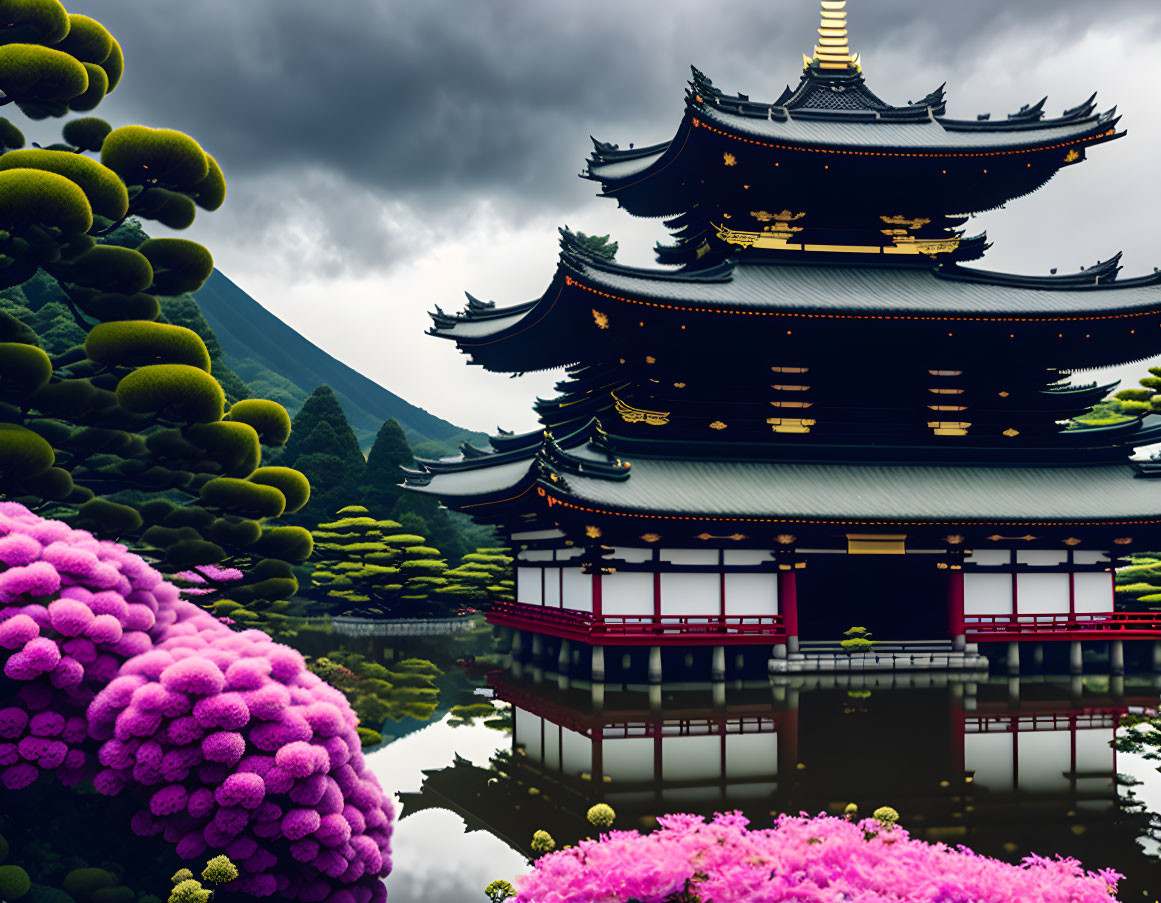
(799, 859)
(227, 740)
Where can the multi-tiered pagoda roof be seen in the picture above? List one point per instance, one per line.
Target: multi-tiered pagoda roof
(815, 353)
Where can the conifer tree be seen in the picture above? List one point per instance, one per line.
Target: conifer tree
(373, 568)
(114, 421)
(323, 447)
(484, 576)
(389, 454)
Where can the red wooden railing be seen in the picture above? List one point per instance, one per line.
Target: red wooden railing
(1100, 625)
(643, 629)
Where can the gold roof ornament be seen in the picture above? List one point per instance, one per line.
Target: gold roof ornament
(833, 52)
(636, 415)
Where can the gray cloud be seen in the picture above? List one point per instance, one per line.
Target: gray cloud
(323, 112)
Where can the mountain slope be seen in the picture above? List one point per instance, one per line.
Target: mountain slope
(279, 363)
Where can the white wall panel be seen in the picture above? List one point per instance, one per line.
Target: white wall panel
(1049, 558)
(568, 554)
(1093, 753)
(1045, 758)
(1042, 594)
(1090, 557)
(745, 558)
(987, 594)
(627, 594)
(990, 757)
(552, 587)
(752, 594)
(637, 556)
(576, 753)
(528, 727)
(752, 756)
(1094, 592)
(528, 586)
(691, 758)
(578, 590)
(537, 555)
(629, 759)
(690, 556)
(552, 745)
(990, 557)
(691, 594)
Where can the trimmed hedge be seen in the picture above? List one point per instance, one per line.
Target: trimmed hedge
(137, 343)
(269, 418)
(33, 197)
(181, 391)
(293, 485)
(23, 454)
(106, 193)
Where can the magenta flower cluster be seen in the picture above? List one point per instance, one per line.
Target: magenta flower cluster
(799, 859)
(229, 741)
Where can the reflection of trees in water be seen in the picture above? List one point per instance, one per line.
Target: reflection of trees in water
(1140, 735)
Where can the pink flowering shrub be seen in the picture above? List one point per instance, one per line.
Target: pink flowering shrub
(799, 859)
(231, 744)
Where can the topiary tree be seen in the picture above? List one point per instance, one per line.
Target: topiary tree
(372, 568)
(484, 576)
(111, 419)
(1139, 402)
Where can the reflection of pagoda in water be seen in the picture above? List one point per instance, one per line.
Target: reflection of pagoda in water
(818, 379)
(1005, 770)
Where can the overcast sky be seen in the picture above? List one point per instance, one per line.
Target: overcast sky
(383, 156)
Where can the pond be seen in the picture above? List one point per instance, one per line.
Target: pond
(1006, 767)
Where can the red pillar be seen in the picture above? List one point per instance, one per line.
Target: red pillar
(788, 606)
(955, 606)
(597, 613)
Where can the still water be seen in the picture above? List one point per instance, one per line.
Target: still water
(1006, 767)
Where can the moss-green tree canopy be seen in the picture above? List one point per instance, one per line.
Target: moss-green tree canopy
(110, 419)
(373, 568)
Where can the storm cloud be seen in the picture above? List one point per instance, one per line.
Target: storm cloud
(360, 135)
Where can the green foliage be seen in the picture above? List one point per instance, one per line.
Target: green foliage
(219, 870)
(269, 418)
(234, 446)
(499, 891)
(23, 454)
(87, 133)
(106, 194)
(14, 882)
(137, 343)
(389, 454)
(599, 245)
(175, 392)
(189, 891)
(87, 40)
(33, 198)
(483, 576)
(162, 157)
(542, 843)
(33, 76)
(858, 640)
(24, 369)
(210, 192)
(35, 21)
(294, 486)
(369, 567)
(323, 446)
(601, 816)
(406, 689)
(179, 265)
(181, 875)
(241, 497)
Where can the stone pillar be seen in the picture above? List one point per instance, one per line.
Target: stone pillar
(537, 649)
(564, 660)
(1157, 655)
(788, 606)
(718, 671)
(598, 696)
(655, 674)
(719, 693)
(1038, 657)
(780, 652)
(1013, 658)
(655, 698)
(1075, 658)
(955, 610)
(1116, 656)
(598, 676)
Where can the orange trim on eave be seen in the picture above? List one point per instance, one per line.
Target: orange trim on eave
(697, 123)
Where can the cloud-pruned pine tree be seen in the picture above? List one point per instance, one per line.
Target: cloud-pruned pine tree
(115, 422)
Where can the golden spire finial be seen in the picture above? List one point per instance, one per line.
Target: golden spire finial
(832, 51)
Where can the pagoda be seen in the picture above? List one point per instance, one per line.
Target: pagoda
(817, 411)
